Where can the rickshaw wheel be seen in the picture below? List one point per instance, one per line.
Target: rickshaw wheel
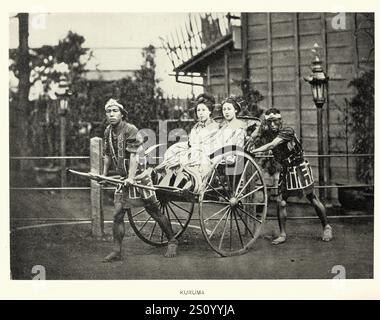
(233, 206)
(147, 229)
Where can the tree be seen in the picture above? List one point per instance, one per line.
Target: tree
(19, 134)
(362, 115)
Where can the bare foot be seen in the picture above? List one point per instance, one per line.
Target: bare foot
(171, 251)
(327, 233)
(280, 239)
(113, 256)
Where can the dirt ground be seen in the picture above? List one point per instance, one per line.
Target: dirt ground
(69, 252)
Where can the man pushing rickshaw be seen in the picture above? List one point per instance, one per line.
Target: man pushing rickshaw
(214, 169)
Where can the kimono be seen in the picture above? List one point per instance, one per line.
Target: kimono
(296, 177)
(119, 148)
(200, 136)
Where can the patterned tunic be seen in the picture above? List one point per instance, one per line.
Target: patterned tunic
(296, 177)
(119, 147)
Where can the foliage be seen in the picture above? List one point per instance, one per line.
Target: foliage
(252, 97)
(140, 95)
(361, 113)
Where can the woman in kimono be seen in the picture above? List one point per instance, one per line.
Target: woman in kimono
(232, 131)
(204, 130)
(181, 154)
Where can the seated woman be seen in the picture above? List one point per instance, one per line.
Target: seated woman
(189, 166)
(232, 131)
(170, 171)
(204, 130)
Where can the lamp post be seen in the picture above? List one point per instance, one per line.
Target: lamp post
(318, 82)
(63, 93)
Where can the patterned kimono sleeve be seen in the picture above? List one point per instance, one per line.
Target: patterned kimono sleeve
(286, 134)
(133, 139)
(240, 137)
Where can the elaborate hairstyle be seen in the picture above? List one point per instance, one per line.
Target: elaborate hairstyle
(237, 102)
(206, 99)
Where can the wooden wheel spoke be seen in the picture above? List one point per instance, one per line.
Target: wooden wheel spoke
(219, 192)
(249, 215)
(238, 229)
(249, 193)
(234, 177)
(174, 204)
(217, 188)
(228, 180)
(167, 213)
(232, 195)
(249, 230)
(212, 232)
(142, 227)
(171, 209)
(212, 177)
(140, 212)
(221, 210)
(230, 216)
(248, 182)
(222, 185)
(151, 234)
(224, 230)
(241, 178)
(216, 202)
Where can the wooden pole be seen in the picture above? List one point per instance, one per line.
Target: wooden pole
(321, 169)
(269, 57)
(326, 116)
(209, 88)
(21, 139)
(63, 147)
(244, 41)
(226, 72)
(96, 152)
(297, 77)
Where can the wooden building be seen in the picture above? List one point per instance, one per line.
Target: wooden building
(273, 51)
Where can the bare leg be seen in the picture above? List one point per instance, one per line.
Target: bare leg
(118, 231)
(281, 217)
(321, 212)
(165, 226)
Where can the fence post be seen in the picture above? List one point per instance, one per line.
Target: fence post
(96, 160)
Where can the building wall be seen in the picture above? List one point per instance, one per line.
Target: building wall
(279, 56)
(224, 77)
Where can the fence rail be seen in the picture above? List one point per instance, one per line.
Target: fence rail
(97, 219)
(50, 158)
(112, 188)
(338, 155)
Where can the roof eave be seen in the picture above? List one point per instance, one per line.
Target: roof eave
(189, 65)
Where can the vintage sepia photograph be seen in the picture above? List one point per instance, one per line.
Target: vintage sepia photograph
(191, 145)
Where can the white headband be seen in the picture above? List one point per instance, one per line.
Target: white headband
(272, 115)
(113, 102)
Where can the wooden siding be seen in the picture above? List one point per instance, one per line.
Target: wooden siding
(290, 39)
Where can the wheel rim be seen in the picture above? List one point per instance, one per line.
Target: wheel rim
(234, 204)
(147, 229)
